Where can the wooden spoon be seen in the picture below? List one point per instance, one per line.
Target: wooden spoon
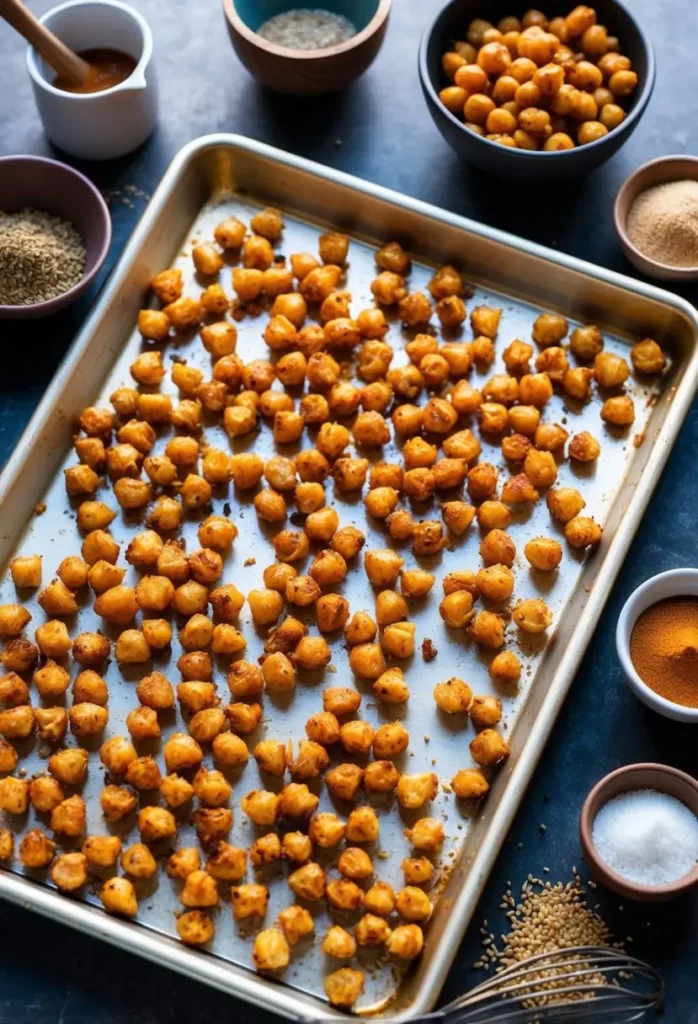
(57, 54)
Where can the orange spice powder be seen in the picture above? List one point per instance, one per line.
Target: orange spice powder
(664, 649)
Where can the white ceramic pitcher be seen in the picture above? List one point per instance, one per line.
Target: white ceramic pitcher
(100, 125)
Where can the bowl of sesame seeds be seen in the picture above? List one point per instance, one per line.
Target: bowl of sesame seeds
(54, 236)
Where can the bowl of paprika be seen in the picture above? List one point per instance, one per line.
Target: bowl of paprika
(657, 643)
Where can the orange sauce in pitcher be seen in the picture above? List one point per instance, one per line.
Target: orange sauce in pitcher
(107, 69)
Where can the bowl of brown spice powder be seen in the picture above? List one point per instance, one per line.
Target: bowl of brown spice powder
(54, 236)
(657, 643)
(656, 218)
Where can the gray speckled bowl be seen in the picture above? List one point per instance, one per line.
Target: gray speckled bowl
(52, 186)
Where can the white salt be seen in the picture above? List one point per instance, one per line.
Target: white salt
(647, 837)
(306, 29)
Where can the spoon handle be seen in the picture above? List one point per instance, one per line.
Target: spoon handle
(54, 52)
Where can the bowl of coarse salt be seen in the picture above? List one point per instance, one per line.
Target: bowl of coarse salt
(639, 832)
(656, 218)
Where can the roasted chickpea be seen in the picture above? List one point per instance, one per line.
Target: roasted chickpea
(226, 863)
(647, 357)
(619, 411)
(456, 609)
(102, 851)
(36, 850)
(343, 987)
(487, 629)
(45, 793)
(138, 861)
(489, 748)
(426, 835)
(117, 802)
(51, 680)
(469, 784)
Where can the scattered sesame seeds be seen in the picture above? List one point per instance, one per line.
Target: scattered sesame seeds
(41, 257)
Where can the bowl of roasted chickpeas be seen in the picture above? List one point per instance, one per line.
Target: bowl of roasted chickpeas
(533, 94)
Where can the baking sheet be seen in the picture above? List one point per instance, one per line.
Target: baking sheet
(437, 743)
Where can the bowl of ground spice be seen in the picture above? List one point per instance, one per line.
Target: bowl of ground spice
(656, 218)
(657, 643)
(54, 236)
(306, 49)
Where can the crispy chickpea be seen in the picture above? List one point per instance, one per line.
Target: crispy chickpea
(498, 547)
(338, 700)
(540, 468)
(371, 931)
(199, 889)
(415, 790)
(167, 285)
(326, 830)
(619, 411)
(265, 605)
(344, 780)
(226, 863)
(565, 503)
(505, 667)
(366, 660)
(214, 301)
(138, 861)
(647, 357)
(417, 870)
(55, 599)
(296, 923)
(302, 591)
(338, 943)
(456, 609)
(119, 897)
(485, 711)
(279, 673)
(142, 723)
(195, 928)
(45, 793)
(400, 525)
(19, 655)
(426, 835)
(362, 825)
(143, 773)
(51, 680)
(532, 615)
(489, 748)
(343, 987)
(243, 718)
(416, 582)
(582, 532)
(182, 752)
(117, 802)
(622, 83)
(212, 824)
(487, 629)
(36, 850)
(348, 542)
(379, 899)
(469, 784)
(68, 817)
(493, 417)
(413, 904)
(584, 447)
(87, 719)
(496, 582)
(176, 791)
(102, 851)
(13, 689)
(343, 894)
(610, 370)
(308, 882)
(482, 481)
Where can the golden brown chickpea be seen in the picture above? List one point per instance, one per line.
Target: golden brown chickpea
(414, 791)
(143, 773)
(125, 402)
(296, 923)
(582, 532)
(489, 748)
(366, 660)
(212, 824)
(199, 889)
(647, 357)
(312, 653)
(485, 711)
(138, 861)
(413, 904)
(478, 107)
(36, 850)
(487, 629)
(456, 609)
(584, 447)
(326, 830)
(296, 801)
(51, 680)
(343, 894)
(19, 655)
(371, 930)
(92, 452)
(619, 411)
(257, 253)
(344, 781)
(45, 793)
(469, 784)
(416, 582)
(195, 928)
(87, 719)
(389, 687)
(167, 285)
(610, 370)
(426, 835)
(156, 823)
(226, 863)
(339, 943)
(117, 802)
(532, 615)
(13, 689)
(622, 83)
(452, 312)
(211, 787)
(540, 468)
(176, 791)
(308, 882)
(247, 283)
(102, 851)
(182, 752)
(153, 324)
(496, 582)
(343, 987)
(26, 571)
(214, 301)
(68, 817)
(142, 723)
(132, 648)
(17, 722)
(119, 897)
(243, 718)
(379, 899)
(417, 870)
(535, 389)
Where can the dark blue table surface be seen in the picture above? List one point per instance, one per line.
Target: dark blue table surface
(380, 130)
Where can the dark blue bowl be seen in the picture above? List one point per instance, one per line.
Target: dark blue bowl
(450, 25)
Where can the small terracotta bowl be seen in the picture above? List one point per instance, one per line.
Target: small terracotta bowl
(662, 779)
(49, 185)
(306, 72)
(656, 172)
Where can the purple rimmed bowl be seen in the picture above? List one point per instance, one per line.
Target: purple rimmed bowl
(49, 185)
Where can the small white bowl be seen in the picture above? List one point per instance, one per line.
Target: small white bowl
(674, 583)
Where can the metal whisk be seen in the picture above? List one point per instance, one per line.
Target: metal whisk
(582, 983)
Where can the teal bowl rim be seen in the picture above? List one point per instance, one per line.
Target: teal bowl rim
(376, 22)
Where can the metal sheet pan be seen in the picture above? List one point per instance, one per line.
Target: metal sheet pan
(224, 173)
